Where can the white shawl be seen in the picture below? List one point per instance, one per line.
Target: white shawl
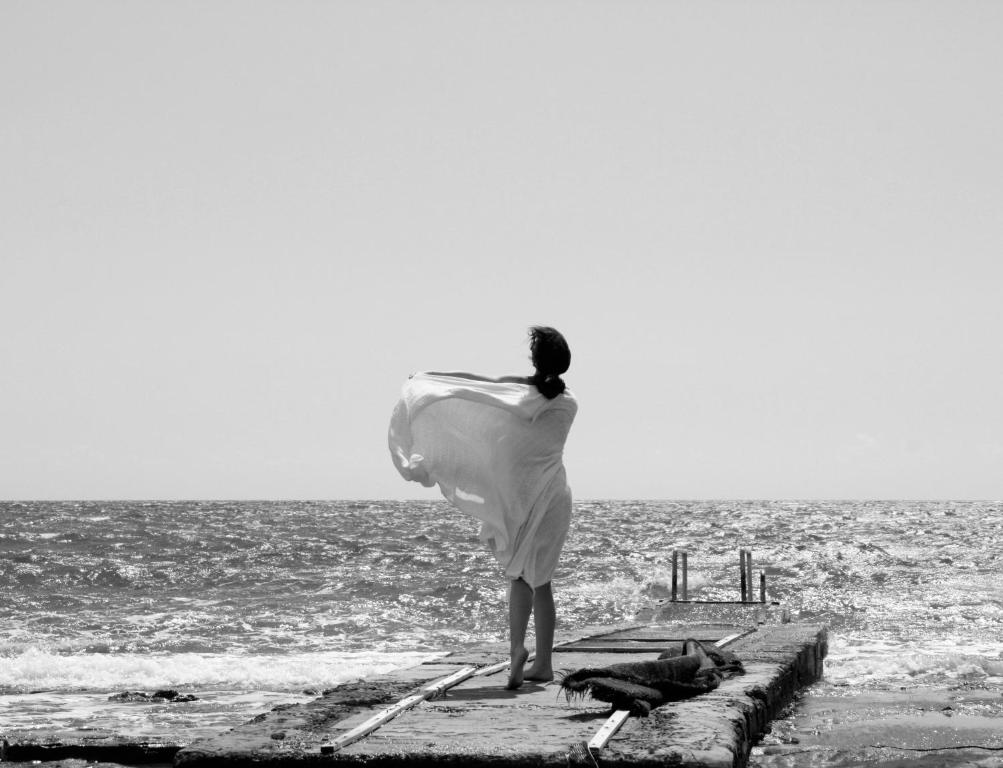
(496, 452)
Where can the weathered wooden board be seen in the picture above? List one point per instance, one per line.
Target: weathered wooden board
(676, 631)
(652, 639)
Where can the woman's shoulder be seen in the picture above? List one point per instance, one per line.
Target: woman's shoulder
(566, 401)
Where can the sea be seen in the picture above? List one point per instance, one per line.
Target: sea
(249, 604)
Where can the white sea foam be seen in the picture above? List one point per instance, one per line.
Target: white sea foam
(860, 660)
(140, 721)
(36, 669)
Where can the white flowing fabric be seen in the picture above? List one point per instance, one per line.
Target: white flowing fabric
(496, 452)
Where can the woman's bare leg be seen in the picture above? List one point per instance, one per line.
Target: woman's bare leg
(520, 605)
(544, 621)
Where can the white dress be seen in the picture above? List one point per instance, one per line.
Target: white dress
(496, 452)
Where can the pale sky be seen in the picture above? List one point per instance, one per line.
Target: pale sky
(772, 233)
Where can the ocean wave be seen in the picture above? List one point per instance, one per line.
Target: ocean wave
(868, 660)
(37, 669)
(276, 581)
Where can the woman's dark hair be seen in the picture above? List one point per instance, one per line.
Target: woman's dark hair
(551, 357)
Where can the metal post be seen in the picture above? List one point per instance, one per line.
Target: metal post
(762, 586)
(741, 573)
(748, 570)
(675, 574)
(686, 557)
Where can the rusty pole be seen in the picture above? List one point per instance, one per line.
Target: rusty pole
(741, 573)
(675, 574)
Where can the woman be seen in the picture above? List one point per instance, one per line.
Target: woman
(495, 448)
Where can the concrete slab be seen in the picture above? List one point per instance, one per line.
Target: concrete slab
(480, 723)
(900, 726)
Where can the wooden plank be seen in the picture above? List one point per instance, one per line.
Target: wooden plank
(600, 648)
(385, 715)
(732, 638)
(609, 729)
(600, 645)
(676, 631)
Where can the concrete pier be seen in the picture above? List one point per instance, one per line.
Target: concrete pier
(479, 723)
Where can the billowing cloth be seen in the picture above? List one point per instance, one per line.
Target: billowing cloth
(496, 452)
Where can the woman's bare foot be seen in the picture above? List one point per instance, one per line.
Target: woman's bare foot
(539, 673)
(515, 672)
